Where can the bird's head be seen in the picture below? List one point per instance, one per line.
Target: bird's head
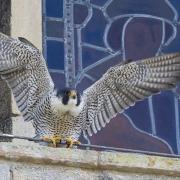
(69, 97)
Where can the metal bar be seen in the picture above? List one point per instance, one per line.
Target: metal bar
(20, 137)
(96, 147)
(69, 59)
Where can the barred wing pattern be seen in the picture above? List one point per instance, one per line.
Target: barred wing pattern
(25, 71)
(123, 85)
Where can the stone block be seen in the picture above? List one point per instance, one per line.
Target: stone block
(40, 162)
(5, 172)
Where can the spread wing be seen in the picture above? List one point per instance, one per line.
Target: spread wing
(123, 85)
(25, 70)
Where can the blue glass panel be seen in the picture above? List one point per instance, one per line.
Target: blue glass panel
(168, 32)
(84, 83)
(54, 29)
(176, 5)
(54, 8)
(90, 56)
(55, 55)
(175, 43)
(59, 80)
(140, 116)
(156, 8)
(165, 117)
(115, 33)
(80, 13)
(120, 132)
(98, 2)
(142, 38)
(102, 67)
(93, 32)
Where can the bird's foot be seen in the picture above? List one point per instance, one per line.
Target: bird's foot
(55, 139)
(70, 142)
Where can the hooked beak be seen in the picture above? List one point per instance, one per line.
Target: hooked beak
(72, 94)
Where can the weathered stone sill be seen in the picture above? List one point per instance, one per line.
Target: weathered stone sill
(42, 156)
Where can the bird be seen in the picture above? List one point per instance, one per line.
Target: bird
(64, 114)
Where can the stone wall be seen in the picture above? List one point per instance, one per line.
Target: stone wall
(37, 162)
(15, 21)
(26, 21)
(5, 93)
(5, 16)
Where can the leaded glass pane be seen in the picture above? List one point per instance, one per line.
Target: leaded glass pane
(86, 37)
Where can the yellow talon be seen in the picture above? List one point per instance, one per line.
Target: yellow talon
(70, 142)
(54, 139)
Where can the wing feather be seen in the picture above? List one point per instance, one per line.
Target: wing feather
(25, 70)
(123, 85)
(101, 119)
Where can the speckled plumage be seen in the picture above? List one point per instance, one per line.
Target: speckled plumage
(24, 69)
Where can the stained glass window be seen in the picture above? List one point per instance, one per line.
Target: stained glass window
(83, 38)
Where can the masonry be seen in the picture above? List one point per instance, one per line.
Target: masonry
(15, 21)
(5, 93)
(23, 162)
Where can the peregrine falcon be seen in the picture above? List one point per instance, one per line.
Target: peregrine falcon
(64, 114)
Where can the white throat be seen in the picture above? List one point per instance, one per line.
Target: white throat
(70, 108)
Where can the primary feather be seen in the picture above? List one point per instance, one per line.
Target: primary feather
(123, 85)
(67, 114)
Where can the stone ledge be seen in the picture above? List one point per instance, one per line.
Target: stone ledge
(88, 159)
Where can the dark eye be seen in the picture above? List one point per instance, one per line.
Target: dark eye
(74, 97)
